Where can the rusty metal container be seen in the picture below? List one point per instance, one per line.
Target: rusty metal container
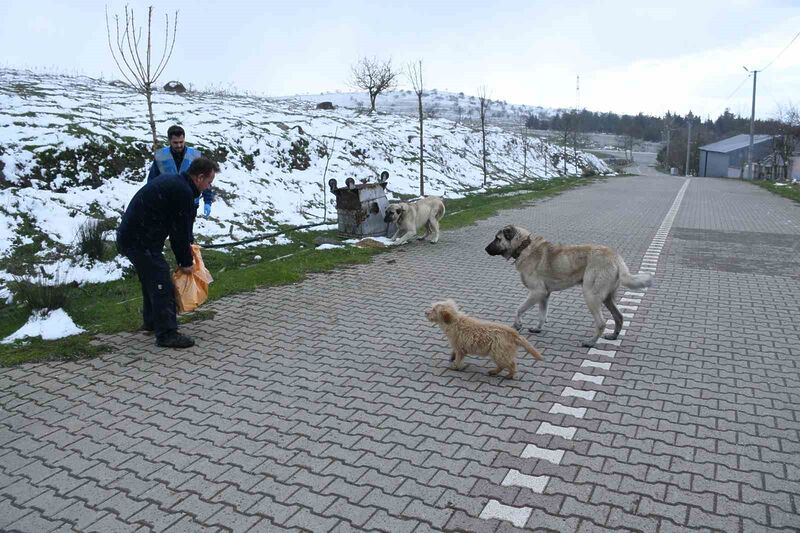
(360, 208)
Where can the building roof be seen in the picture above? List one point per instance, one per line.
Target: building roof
(736, 142)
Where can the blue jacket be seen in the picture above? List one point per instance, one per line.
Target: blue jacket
(163, 207)
(165, 164)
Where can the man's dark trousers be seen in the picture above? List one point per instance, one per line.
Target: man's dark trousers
(158, 293)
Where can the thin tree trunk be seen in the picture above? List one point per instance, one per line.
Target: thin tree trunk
(575, 152)
(483, 133)
(546, 157)
(149, 95)
(421, 152)
(372, 98)
(524, 160)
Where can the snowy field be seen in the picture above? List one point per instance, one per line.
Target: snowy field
(75, 148)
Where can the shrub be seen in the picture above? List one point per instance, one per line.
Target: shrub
(38, 294)
(299, 154)
(90, 239)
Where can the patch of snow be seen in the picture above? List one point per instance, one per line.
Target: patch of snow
(328, 246)
(49, 325)
(383, 240)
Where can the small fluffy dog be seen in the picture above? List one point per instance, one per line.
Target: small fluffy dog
(410, 217)
(469, 335)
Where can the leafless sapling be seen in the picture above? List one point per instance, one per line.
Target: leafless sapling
(128, 48)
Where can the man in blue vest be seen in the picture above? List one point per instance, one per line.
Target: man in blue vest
(175, 159)
(163, 208)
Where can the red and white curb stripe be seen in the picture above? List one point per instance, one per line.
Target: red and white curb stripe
(599, 358)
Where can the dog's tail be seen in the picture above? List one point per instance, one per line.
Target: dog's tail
(440, 211)
(632, 281)
(523, 342)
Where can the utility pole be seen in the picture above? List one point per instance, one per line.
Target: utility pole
(666, 156)
(752, 127)
(575, 129)
(688, 147)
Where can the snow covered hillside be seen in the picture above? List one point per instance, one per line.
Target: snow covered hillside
(458, 107)
(74, 149)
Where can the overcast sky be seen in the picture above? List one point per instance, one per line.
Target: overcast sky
(630, 57)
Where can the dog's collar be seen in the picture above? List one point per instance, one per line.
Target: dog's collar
(524, 244)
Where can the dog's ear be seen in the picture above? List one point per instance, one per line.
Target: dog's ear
(509, 232)
(447, 316)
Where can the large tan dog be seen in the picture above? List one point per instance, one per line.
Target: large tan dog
(469, 335)
(410, 217)
(546, 267)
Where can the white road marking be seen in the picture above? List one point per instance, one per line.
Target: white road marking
(605, 353)
(597, 380)
(636, 294)
(558, 409)
(532, 451)
(566, 432)
(594, 364)
(577, 393)
(516, 515)
(516, 478)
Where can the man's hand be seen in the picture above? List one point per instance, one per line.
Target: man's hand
(187, 270)
(207, 209)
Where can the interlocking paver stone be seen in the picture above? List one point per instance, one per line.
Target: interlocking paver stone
(300, 410)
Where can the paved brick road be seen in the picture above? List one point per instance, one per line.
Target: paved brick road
(328, 406)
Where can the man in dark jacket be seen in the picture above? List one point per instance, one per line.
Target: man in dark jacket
(176, 158)
(163, 208)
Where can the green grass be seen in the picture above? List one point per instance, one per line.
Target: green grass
(116, 306)
(789, 190)
(479, 206)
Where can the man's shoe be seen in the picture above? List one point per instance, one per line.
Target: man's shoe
(173, 339)
(147, 330)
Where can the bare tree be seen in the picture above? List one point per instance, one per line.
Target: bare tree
(484, 106)
(575, 127)
(565, 140)
(545, 154)
(415, 75)
(524, 135)
(788, 117)
(328, 154)
(374, 77)
(140, 73)
(459, 111)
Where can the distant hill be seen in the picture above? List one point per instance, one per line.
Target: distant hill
(458, 107)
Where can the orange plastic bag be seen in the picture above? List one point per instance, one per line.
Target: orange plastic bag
(191, 290)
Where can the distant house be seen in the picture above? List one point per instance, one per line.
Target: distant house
(728, 158)
(794, 172)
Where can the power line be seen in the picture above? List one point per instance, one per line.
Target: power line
(727, 99)
(781, 52)
(737, 88)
